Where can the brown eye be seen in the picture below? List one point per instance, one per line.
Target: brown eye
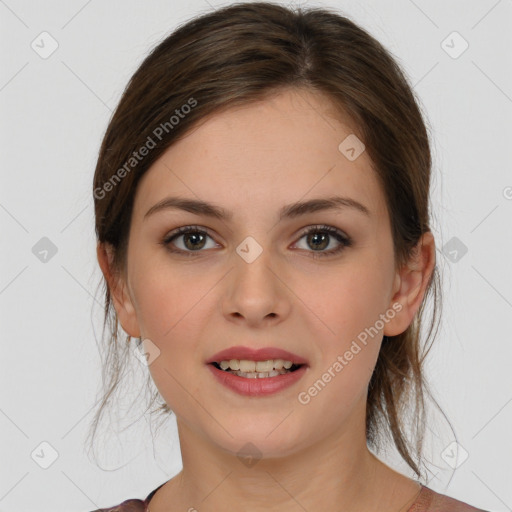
(186, 240)
(320, 237)
(193, 240)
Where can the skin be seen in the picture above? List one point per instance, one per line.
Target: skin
(253, 160)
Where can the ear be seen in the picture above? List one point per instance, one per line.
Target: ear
(410, 285)
(118, 290)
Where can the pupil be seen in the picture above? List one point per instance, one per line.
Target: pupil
(187, 238)
(325, 236)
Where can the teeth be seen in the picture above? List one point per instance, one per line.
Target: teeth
(259, 367)
(259, 375)
(247, 366)
(264, 366)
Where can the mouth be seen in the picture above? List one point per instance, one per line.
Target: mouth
(249, 369)
(257, 378)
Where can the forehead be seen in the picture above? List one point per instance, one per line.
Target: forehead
(280, 150)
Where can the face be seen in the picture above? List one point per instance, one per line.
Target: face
(255, 279)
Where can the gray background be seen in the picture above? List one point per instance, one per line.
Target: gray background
(54, 112)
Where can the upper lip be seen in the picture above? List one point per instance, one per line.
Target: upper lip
(251, 354)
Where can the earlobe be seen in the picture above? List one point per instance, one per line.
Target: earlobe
(412, 280)
(118, 290)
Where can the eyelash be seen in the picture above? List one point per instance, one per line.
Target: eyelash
(344, 240)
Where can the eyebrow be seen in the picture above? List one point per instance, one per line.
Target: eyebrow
(290, 211)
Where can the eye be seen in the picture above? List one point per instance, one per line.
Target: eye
(320, 237)
(193, 240)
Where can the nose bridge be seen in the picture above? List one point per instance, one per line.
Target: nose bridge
(254, 291)
(252, 260)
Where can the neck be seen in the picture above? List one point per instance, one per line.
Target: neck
(337, 473)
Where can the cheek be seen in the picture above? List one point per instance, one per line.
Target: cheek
(168, 308)
(339, 381)
(172, 298)
(338, 388)
(349, 300)
(349, 305)
(167, 298)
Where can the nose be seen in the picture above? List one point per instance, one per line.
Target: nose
(255, 292)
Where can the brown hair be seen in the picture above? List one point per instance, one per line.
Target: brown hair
(241, 54)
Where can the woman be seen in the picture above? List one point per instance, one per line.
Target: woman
(262, 216)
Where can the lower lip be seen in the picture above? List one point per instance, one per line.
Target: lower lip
(258, 386)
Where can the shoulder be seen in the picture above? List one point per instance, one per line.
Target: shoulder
(431, 501)
(133, 505)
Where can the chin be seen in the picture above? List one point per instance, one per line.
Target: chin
(255, 442)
